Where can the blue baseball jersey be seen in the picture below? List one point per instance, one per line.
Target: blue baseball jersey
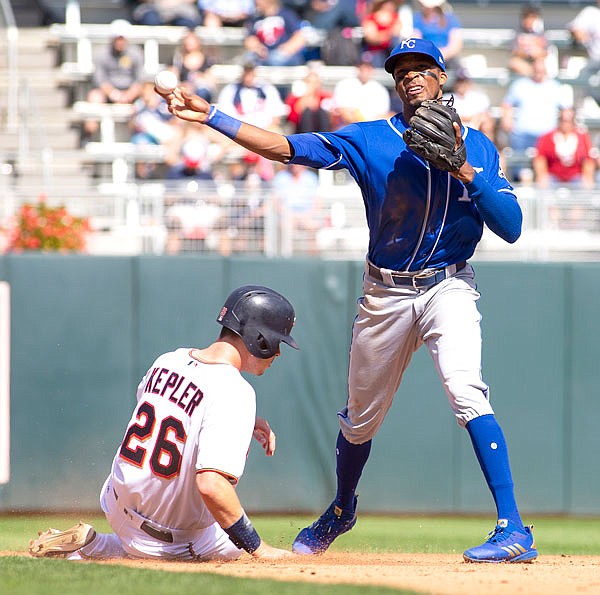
(418, 216)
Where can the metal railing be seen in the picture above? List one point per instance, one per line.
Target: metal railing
(174, 217)
(9, 28)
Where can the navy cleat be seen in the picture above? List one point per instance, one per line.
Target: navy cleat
(506, 543)
(321, 534)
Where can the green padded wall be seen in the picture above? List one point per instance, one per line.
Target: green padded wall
(71, 374)
(582, 397)
(524, 309)
(177, 301)
(84, 330)
(302, 392)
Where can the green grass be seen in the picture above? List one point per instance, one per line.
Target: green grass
(28, 576)
(21, 575)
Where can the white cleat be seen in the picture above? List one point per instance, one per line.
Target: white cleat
(55, 543)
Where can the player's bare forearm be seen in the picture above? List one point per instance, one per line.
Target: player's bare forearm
(192, 108)
(220, 497)
(270, 145)
(264, 435)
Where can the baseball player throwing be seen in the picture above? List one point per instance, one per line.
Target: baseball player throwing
(170, 493)
(429, 185)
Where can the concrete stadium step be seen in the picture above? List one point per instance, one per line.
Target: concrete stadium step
(51, 104)
(29, 187)
(506, 14)
(59, 167)
(68, 186)
(29, 58)
(55, 135)
(28, 13)
(36, 77)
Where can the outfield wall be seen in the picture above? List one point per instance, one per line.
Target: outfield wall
(84, 330)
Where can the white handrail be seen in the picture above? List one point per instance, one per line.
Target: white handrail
(12, 38)
(4, 382)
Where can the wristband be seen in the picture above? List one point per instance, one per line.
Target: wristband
(243, 534)
(225, 124)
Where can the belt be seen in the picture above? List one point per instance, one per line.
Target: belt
(148, 527)
(160, 534)
(418, 279)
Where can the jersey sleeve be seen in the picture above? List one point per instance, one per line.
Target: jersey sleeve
(226, 432)
(490, 190)
(342, 149)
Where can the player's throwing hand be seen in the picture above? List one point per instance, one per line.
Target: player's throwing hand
(187, 106)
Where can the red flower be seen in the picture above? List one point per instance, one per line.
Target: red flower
(41, 227)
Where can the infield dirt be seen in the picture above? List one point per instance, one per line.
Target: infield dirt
(428, 573)
(434, 574)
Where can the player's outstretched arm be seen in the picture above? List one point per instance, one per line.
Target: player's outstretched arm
(221, 499)
(192, 108)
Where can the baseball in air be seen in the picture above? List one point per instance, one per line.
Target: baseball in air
(165, 81)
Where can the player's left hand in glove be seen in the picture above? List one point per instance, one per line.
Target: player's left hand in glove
(434, 137)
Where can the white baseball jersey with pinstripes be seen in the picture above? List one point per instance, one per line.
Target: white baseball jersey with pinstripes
(183, 423)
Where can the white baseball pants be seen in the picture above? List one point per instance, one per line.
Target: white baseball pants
(392, 323)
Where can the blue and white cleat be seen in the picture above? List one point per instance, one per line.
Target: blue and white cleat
(506, 543)
(321, 534)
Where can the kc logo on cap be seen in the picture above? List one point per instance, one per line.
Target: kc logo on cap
(415, 45)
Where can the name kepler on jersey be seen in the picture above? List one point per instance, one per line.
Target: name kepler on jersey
(163, 382)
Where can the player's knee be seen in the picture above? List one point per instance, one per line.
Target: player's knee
(468, 399)
(359, 432)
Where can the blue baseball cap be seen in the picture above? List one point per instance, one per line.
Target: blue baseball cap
(415, 45)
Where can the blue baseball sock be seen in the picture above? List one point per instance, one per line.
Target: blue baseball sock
(492, 453)
(351, 459)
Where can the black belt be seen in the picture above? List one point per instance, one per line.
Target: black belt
(149, 528)
(160, 534)
(417, 280)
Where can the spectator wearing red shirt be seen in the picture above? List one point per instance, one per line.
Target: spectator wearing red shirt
(565, 155)
(310, 105)
(381, 29)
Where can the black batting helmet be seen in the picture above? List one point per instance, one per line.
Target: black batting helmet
(261, 317)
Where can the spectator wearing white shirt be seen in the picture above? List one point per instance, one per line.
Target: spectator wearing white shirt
(253, 101)
(524, 116)
(360, 98)
(585, 30)
(531, 107)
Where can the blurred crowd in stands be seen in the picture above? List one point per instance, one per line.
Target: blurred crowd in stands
(535, 127)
